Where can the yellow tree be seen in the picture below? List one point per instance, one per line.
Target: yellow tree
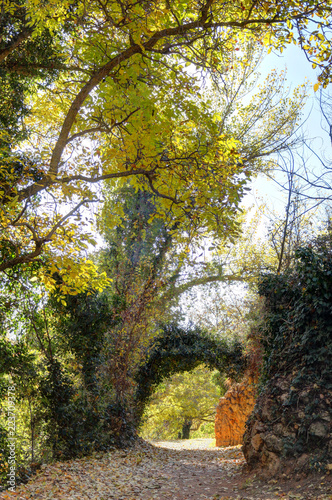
(182, 404)
(124, 105)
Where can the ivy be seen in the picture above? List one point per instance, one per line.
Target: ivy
(178, 350)
(297, 334)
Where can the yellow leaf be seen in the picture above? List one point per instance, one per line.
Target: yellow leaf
(316, 86)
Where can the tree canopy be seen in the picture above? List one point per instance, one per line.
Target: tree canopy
(120, 84)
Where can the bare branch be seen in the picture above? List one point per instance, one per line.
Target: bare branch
(65, 217)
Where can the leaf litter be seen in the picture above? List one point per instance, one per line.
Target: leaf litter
(171, 470)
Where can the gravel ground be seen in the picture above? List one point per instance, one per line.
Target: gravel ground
(186, 444)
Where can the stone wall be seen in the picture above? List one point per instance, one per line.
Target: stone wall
(290, 429)
(233, 411)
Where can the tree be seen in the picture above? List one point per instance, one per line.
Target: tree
(182, 404)
(22, 57)
(137, 259)
(91, 350)
(297, 227)
(221, 272)
(120, 85)
(90, 344)
(326, 110)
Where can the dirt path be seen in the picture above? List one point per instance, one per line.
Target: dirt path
(176, 470)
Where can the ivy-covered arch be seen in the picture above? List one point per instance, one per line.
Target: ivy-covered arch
(178, 350)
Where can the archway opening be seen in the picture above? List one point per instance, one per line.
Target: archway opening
(184, 405)
(178, 356)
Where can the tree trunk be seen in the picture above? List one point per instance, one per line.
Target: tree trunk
(186, 428)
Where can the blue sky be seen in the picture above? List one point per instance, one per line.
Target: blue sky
(298, 70)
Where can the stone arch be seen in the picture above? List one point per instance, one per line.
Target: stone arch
(178, 350)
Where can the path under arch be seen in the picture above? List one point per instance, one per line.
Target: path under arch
(173, 470)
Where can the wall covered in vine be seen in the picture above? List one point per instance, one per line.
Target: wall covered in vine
(292, 420)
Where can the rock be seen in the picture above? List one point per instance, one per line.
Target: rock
(257, 442)
(279, 430)
(258, 428)
(324, 415)
(305, 396)
(233, 411)
(270, 462)
(266, 411)
(318, 429)
(281, 384)
(302, 462)
(284, 397)
(273, 443)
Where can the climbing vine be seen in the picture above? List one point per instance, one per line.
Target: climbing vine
(178, 350)
(298, 327)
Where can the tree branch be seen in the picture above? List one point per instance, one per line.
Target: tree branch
(38, 241)
(105, 71)
(102, 128)
(65, 217)
(20, 38)
(104, 177)
(175, 292)
(26, 70)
